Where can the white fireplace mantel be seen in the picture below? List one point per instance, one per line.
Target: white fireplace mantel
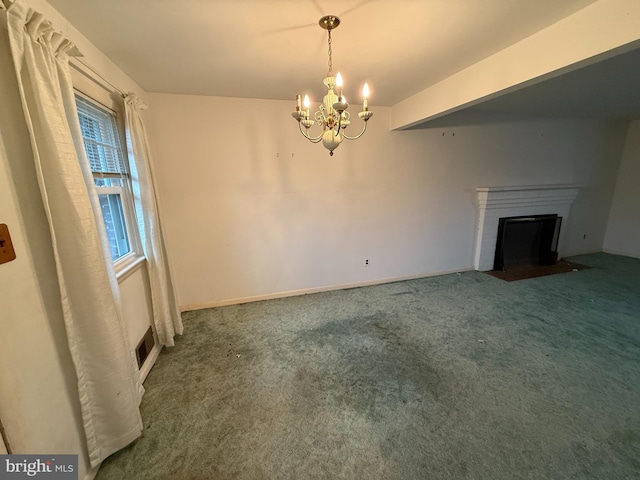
(498, 202)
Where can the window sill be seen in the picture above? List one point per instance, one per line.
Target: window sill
(128, 267)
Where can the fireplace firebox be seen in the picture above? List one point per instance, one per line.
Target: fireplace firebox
(527, 240)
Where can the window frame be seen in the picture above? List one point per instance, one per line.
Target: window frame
(113, 103)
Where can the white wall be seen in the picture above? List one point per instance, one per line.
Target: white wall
(39, 407)
(245, 219)
(623, 230)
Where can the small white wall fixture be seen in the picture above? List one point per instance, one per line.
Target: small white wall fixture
(499, 202)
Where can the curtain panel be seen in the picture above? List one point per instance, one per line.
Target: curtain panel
(108, 386)
(166, 315)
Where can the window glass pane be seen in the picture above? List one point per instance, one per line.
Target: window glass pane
(108, 163)
(108, 182)
(113, 215)
(101, 139)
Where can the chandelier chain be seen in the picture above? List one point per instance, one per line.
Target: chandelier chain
(330, 60)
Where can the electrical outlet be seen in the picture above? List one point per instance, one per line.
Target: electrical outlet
(366, 262)
(6, 247)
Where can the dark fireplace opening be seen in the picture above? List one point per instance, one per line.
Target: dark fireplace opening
(527, 240)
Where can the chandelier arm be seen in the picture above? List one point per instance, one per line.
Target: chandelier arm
(364, 128)
(324, 118)
(308, 137)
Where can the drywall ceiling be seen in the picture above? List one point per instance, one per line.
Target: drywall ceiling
(607, 89)
(275, 49)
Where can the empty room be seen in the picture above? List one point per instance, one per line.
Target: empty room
(309, 239)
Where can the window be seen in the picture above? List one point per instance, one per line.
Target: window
(111, 176)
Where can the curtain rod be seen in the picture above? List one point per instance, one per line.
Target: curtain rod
(94, 72)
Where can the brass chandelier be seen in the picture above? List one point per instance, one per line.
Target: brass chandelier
(332, 113)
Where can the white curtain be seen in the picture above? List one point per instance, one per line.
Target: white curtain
(166, 315)
(108, 385)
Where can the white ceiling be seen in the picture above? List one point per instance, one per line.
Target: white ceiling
(274, 49)
(607, 89)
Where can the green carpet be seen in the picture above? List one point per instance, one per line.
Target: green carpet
(461, 376)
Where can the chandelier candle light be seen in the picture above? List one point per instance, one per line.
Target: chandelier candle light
(332, 113)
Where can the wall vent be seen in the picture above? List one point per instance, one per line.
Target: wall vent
(144, 347)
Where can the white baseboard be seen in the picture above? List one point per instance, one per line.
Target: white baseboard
(577, 254)
(604, 250)
(622, 254)
(91, 474)
(306, 291)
